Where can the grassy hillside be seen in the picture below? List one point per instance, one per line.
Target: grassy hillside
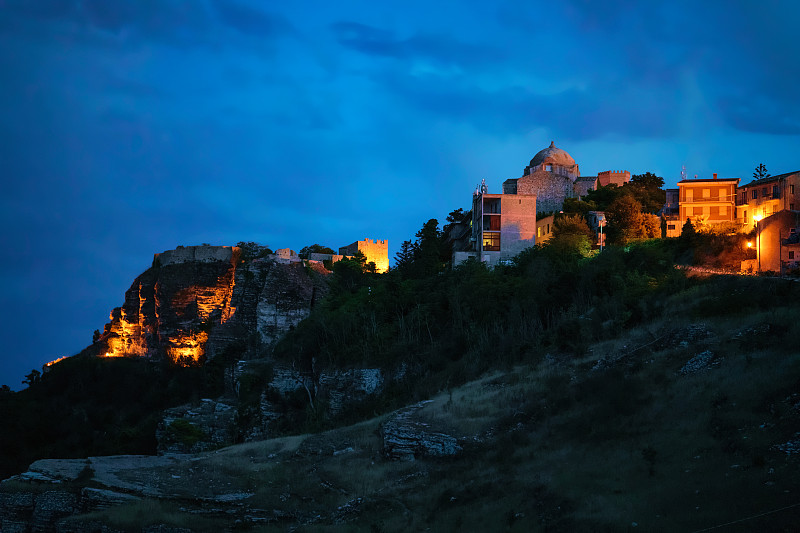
(637, 433)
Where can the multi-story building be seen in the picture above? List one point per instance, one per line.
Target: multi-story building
(707, 201)
(502, 225)
(764, 197)
(670, 214)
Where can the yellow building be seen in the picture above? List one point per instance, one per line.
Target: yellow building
(767, 196)
(707, 201)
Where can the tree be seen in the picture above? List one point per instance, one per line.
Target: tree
(405, 256)
(624, 220)
(305, 251)
(32, 378)
(571, 225)
(571, 235)
(760, 172)
(646, 188)
(648, 180)
(96, 336)
(253, 250)
(604, 196)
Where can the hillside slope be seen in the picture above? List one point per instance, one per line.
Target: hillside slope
(677, 424)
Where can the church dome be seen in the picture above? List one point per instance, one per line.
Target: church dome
(553, 156)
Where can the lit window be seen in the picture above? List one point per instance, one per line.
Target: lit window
(491, 242)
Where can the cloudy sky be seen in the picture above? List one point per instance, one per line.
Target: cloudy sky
(131, 127)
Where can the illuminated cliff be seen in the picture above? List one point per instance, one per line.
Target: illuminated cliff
(194, 302)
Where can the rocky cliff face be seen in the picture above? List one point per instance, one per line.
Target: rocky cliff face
(195, 302)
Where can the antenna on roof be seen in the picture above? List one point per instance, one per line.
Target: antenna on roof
(484, 188)
(683, 172)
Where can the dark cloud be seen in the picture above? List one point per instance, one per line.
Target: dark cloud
(378, 42)
(250, 20)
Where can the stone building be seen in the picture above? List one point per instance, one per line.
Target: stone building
(375, 251)
(553, 176)
(764, 197)
(550, 177)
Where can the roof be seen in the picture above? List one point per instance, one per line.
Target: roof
(709, 180)
(770, 179)
(554, 155)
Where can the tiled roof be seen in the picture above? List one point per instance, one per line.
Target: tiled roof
(769, 179)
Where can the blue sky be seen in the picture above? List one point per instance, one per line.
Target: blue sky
(129, 128)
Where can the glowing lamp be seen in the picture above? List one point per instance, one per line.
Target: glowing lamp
(749, 244)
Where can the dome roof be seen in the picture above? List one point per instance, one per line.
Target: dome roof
(554, 156)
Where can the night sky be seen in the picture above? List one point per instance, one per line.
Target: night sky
(129, 128)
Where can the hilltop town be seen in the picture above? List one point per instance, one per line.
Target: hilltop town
(515, 369)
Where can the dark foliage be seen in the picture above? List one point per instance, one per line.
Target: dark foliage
(86, 406)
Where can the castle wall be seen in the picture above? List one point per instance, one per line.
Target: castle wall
(375, 251)
(203, 254)
(616, 177)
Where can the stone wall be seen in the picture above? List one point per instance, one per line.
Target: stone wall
(375, 251)
(616, 177)
(183, 254)
(550, 189)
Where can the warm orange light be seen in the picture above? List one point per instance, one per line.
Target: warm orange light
(51, 363)
(757, 218)
(749, 244)
(187, 350)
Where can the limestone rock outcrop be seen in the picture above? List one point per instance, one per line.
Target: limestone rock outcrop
(196, 302)
(405, 437)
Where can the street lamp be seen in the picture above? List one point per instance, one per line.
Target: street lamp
(757, 219)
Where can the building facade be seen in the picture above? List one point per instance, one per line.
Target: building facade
(503, 225)
(707, 201)
(767, 196)
(375, 251)
(777, 242)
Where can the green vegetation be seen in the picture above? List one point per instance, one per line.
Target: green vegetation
(86, 406)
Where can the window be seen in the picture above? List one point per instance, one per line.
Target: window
(723, 210)
(775, 192)
(745, 214)
(706, 210)
(791, 207)
(670, 227)
(706, 193)
(791, 255)
(491, 242)
(764, 192)
(744, 197)
(754, 194)
(791, 189)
